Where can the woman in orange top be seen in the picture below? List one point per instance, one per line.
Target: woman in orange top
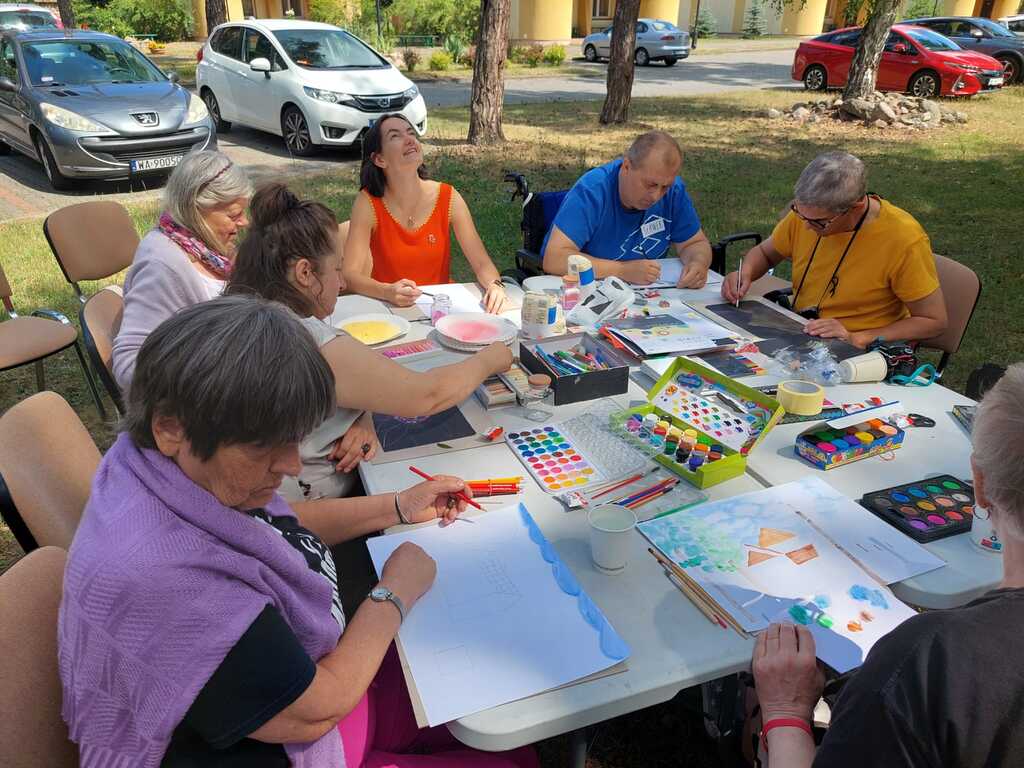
(399, 237)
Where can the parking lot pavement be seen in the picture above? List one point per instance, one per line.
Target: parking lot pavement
(26, 193)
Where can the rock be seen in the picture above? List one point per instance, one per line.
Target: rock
(797, 106)
(961, 117)
(801, 113)
(837, 103)
(908, 120)
(860, 108)
(926, 117)
(884, 112)
(933, 109)
(814, 119)
(948, 117)
(880, 123)
(772, 114)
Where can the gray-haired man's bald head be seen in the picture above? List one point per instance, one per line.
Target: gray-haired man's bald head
(655, 147)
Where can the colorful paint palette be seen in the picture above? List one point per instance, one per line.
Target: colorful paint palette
(927, 510)
(552, 458)
(829, 447)
(720, 421)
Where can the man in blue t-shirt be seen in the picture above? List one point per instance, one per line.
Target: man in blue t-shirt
(624, 215)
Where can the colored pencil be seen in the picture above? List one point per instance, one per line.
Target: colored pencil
(640, 494)
(457, 494)
(617, 485)
(650, 497)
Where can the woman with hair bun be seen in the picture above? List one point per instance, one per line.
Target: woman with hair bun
(400, 232)
(290, 255)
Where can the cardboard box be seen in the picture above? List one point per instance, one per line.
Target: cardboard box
(831, 444)
(577, 387)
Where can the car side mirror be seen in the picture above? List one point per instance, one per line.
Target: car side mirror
(260, 65)
(7, 85)
(174, 77)
(902, 48)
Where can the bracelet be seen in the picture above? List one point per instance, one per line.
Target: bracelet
(499, 283)
(784, 722)
(401, 517)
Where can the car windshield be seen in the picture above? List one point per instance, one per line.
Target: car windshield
(933, 41)
(26, 20)
(87, 62)
(327, 49)
(996, 30)
(663, 26)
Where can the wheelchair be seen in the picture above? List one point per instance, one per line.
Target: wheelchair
(539, 209)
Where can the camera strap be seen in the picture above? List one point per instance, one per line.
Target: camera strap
(832, 282)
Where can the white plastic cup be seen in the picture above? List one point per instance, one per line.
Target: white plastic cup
(864, 368)
(611, 529)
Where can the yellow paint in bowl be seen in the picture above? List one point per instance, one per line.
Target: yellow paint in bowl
(371, 331)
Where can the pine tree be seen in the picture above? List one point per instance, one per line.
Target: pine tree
(754, 21)
(707, 24)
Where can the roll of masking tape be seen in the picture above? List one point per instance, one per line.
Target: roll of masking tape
(804, 398)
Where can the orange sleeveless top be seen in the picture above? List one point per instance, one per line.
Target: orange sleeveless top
(423, 254)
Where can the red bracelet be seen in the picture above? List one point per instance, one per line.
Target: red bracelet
(784, 722)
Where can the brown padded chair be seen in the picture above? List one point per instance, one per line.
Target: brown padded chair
(47, 462)
(32, 733)
(91, 241)
(961, 288)
(25, 340)
(100, 318)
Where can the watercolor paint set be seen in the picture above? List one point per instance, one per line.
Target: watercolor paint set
(831, 444)
(699, 423)
(927, 510)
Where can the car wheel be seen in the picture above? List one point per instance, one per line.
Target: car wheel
(213, 107)
(815, 78)
(671, 61)
(1011, 69)
(925, 85)
(641, 57)
(295, 130)
(58, 180)
(590, 53)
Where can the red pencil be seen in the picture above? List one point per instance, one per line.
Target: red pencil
(457, 494)
(618, 485)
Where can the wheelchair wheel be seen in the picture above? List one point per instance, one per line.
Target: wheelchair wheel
(515, 275)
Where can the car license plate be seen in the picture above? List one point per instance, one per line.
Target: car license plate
(995, 81)
(155, 163)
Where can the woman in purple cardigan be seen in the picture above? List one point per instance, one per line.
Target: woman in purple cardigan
(200, 623)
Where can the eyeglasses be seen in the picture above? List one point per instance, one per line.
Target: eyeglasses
(819, 223)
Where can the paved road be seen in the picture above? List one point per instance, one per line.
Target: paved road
(696, 75)
(25, 192)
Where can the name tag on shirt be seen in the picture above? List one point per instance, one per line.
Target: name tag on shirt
(652, 227)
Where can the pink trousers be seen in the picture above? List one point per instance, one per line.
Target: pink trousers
(381, 732)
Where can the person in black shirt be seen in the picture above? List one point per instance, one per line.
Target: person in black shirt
(945, 688)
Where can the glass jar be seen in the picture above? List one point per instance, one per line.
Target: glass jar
(570, 293)
(442, 307)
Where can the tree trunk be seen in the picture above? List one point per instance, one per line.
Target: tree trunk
(67, 13)
(620, 63)
(216, 13)
(488, 95)
(864, 67)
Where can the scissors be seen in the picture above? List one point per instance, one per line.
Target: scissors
(917, 420)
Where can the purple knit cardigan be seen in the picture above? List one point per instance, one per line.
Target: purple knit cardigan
(161, 582)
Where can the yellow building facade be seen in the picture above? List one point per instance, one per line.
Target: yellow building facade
(243, 9)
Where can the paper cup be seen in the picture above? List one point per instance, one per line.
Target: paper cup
(984, 535)
(611, 528)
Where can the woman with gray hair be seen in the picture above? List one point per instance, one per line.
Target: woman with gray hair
(187, 257)
(863, 269)
(200, 623)
(943, 688)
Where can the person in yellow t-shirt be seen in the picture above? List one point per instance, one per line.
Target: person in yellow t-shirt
(862, 268)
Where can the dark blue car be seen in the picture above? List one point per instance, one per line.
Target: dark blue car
(983, 35)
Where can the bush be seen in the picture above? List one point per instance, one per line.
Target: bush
(454, 47)
(410, 58)
(166, 19)
(101, 19)
(534, 55)
(754, 22)
(435, 17)
(554, 55)
(517, 54)
(915, 9)
(707, 24)
(469, 57)
(334, 12)
(440, 61)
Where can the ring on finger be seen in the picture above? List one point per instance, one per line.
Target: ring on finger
(365, 448)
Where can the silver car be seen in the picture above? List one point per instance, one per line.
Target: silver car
(656, 40)
(90, 106)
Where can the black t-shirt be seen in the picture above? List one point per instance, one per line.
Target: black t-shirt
(265, 671)
(943, 689)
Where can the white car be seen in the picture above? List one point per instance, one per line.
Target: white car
(313, 84)
(1014, 23)
(24, 17)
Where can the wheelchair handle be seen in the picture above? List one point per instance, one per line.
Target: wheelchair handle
(522, 186)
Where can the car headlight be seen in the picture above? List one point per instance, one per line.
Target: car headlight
(197, 111)
(72, 121)
(963, 67)
(411, 93)
(332, 97)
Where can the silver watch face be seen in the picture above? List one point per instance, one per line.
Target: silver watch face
(380, 594)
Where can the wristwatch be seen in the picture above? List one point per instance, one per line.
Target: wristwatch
(381, 594)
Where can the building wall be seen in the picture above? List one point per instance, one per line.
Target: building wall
(667, 10)
(805, 21)
(544, 20)
(1001, 8)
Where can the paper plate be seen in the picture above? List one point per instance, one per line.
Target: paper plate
(550, 283)
(374, 328)
(475, 329)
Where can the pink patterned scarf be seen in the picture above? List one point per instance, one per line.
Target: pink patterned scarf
(191, 244)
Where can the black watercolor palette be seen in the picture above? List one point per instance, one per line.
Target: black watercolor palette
(927, 510)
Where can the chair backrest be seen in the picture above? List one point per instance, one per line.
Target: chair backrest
(538, 216)
(32, 733)
(100, 318)
(47, 462)
(5, 291)
(961, 289)
(91, 240)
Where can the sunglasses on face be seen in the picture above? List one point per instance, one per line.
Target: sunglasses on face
(819, 223)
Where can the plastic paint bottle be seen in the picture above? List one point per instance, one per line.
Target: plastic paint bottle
(581, 267)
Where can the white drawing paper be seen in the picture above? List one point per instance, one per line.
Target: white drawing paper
(762, 562)
(672, 270)
(504, 619)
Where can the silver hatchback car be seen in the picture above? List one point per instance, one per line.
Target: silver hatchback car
(656, 40)
(90, 106)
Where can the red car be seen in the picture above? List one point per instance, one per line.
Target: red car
(915, 59)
